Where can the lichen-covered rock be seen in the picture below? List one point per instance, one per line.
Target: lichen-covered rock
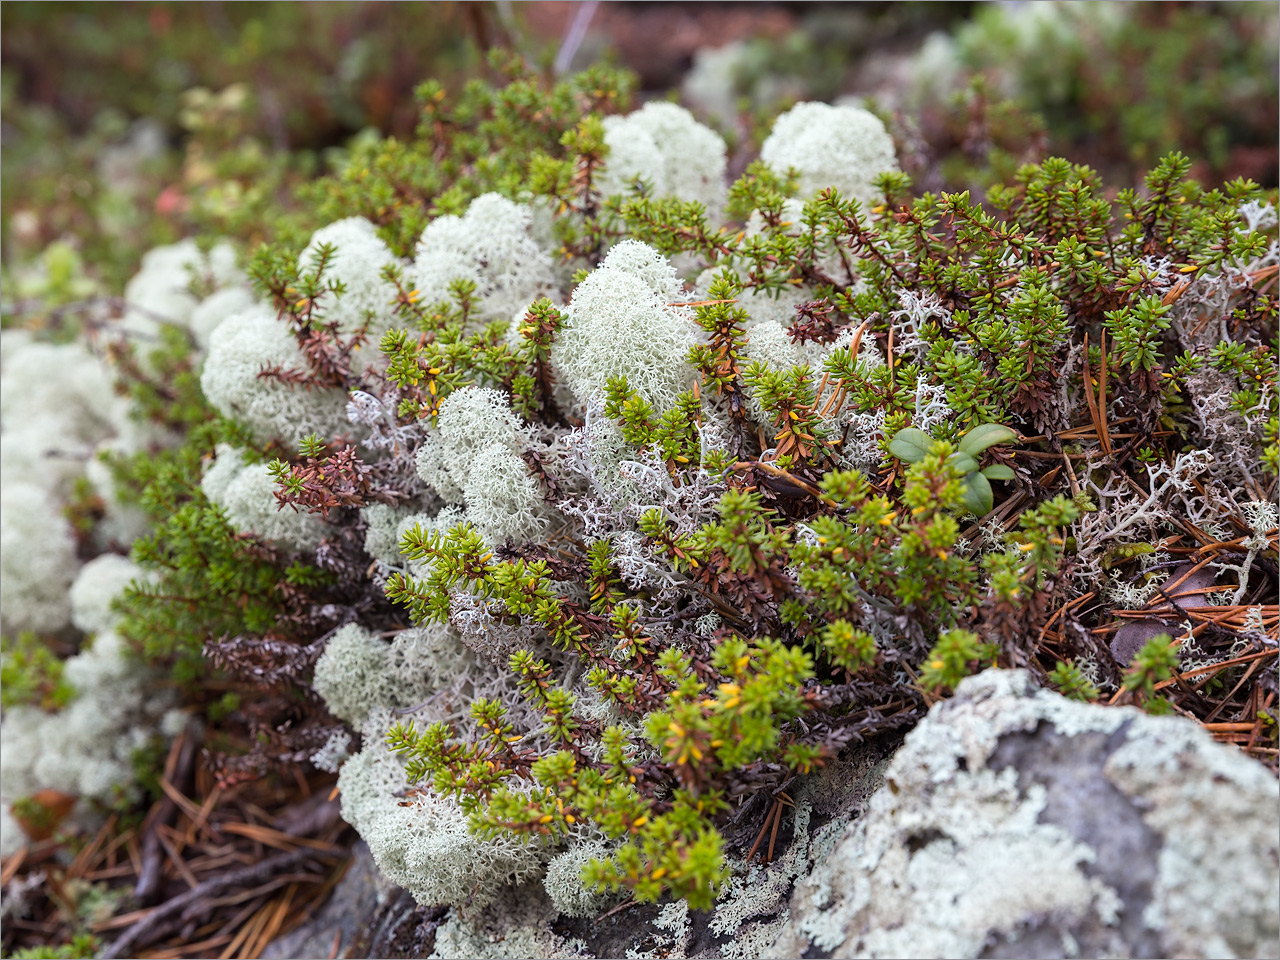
(511, 928)
(1014, 822)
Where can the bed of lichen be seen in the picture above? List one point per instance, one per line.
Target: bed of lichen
(657, 552)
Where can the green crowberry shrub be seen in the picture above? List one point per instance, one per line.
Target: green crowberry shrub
(653, 500)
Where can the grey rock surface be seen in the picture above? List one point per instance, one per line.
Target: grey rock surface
(1014, 822)
(341, 921)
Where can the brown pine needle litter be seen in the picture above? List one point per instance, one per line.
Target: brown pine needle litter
(225, 879)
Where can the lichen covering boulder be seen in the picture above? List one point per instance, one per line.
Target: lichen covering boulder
(1014, 822)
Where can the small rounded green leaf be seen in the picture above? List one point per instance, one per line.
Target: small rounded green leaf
(910, 444)
(998, 471)
(963, 463)
(985, 435)
(977, 495)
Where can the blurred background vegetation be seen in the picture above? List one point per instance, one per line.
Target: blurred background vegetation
(130, 124)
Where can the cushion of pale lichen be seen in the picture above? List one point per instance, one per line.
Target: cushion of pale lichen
(491, 246)
(240, 349)
(665, 145)
(625, 320)
(831, 146)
